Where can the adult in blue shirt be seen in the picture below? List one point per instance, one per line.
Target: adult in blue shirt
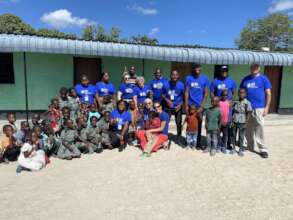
(258, 89)
(157, 85)
(85, 91)
(196, 93)
(105, 93)
(143, 91)
(223, 82)
(127, 91)
(173, 95)
(119, 121)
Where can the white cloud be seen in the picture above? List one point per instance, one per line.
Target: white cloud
(141, 10)
(153, 31)
(63, 18)
(280, 6)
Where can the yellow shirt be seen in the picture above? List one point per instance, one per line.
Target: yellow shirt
(4, 142)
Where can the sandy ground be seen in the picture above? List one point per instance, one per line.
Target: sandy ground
(175, 184)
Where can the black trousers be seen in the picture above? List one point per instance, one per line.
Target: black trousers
(240, 129)
(178, 119)
(11, 154)
(115, 139)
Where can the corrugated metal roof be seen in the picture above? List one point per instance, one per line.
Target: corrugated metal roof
(22, 43)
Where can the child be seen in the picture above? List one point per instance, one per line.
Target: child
(132, 127)
(65, 116)
(241, 110)
(93, 136)
(224, 106)
(38, 145)
(30, 159)
(92, 112)
(54, 115)
(50, 142)
(11, 118)
(212, 123)
(8, 149)
(192, 128)
(35, 120)
(74, 104)
(83, 142)
(63, 98)
(69, 136)
(140, 117)
(103, 130)
(21, 135)
(152, 123)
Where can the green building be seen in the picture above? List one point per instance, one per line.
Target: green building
(32, 69)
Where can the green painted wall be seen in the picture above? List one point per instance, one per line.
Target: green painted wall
(286, 100)
(12, 95)
(46, 74)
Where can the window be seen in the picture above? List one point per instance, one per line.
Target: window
(6, 68)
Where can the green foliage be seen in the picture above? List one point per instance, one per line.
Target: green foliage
(11, 24)
(89, 32)
(274, 31)
(144, 39)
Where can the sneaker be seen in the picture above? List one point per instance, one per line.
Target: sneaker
(223, 150)
(206, 150)
(218, 149)
(213, 152)
(19, 169)
(264, 155)
(232, 151)
(241, 153)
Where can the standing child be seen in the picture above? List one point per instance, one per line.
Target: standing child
(224, 106)
(74, 104)
(241, 110)
(212, 123)
(192, 128)
(8, 149)
(54, 115)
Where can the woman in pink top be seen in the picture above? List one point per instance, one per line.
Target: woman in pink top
(224, 106)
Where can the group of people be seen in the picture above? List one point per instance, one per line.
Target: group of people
(90, 118)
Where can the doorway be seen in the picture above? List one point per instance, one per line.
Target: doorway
(91, 67)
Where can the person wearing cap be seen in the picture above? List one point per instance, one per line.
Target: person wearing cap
(223, 82)
(85, 91)
(31, 159)
(196, 93)
(258, 89)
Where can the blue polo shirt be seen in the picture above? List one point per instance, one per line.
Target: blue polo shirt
(219, 85)
(196, 87)
(142, 93)
(175, 92)
(128, 90)
(255, 87)
(86, 94)
(121, 117)
(104, 89)
(165, 117)
(157, 86)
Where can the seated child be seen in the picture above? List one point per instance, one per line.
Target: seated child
(69, 137)
(65, 115)
(30, 159)
(50, 142)
(224, 106)
(241, 110)
(84, 142)
(21, 135)
(103, 130)
(133, 125)
(11, 118)
(92, 112)
(8, 149)
(212, 123)
(39, 145)
(140, 123)
(63, 98)
(153, 122)
(35, 120)
(93, 136)
(192, 128)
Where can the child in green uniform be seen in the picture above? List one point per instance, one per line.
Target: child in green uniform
(93, 136)
(103, 130)
(69, 137)
(74, 104)
(212, 123)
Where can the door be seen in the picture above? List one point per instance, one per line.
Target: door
(274, 73)
(183, 68)
(91, 67)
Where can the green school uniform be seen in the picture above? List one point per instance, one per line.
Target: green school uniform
(213, 116)
(68, 136)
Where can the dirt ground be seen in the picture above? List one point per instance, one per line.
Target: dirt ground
(175, 184)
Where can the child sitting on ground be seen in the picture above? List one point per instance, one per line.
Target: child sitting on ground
(35, 120)
(8, 149)
(92, 112)
(21, 135)
(11, 118)
(212, 123)
(93, 136)
(153, 122)
(133, 125)
(241, 110)
(30, 158)
(103, 130)
(192, 128)
(224, 106)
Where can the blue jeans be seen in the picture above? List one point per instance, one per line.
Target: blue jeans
(191, 139)
(212, 139)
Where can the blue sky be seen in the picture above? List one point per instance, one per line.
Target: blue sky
(206, 22)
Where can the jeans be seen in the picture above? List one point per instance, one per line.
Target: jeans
(240, 129)
(212, 139)
(178, 119)
(224, 129)
(191, 139)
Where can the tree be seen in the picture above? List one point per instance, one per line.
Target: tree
(144, 39)
(89, 32)
(115, 34)
(101, 35)
(12, 24)
(274, 31)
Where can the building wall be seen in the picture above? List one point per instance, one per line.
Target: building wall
(286, 100)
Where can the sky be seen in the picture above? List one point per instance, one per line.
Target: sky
(215, 23)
